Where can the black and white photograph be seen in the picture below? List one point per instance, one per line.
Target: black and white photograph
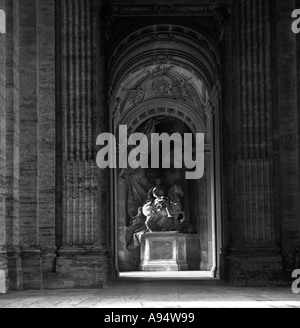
(149, 157)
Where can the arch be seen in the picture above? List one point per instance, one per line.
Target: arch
(195, 51)
(179, 54)
(166, 107)
(164, 70)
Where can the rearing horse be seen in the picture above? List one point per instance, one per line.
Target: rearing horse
(162, 213)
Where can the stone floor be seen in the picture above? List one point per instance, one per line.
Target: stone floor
(149, 292)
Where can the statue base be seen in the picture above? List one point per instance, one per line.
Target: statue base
(169, 251)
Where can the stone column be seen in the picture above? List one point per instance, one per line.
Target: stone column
(214, 227)
(46, 133)
(12, 146)
(102, 117)
(84, 104)
(287, 133)
(226, 120)
(252, 253)
(28, 151)
(106, 222)
(29, 142)
(27, 98)
(78, 123)
(36, 139)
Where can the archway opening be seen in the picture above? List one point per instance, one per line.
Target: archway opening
(170, 90)
(133, 186)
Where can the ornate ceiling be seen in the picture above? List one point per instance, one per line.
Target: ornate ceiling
(163, 64)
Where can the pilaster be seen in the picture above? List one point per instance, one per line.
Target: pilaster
(287, 133)
(85, 230)
(251, 255)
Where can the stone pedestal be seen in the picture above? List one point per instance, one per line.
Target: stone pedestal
(169, 251)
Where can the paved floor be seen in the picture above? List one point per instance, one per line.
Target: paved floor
(151, 293)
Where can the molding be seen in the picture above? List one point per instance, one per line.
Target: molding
(218, 10)
(222, 20)
(81, 250)
(179, 8)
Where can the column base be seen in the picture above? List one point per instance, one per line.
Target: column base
(49, 268)
(14, 264)
(81, 267)
(253, 267)
(32, 268)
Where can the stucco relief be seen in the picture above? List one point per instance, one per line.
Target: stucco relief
(161, 82)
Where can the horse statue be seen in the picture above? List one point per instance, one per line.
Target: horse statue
(162, 212)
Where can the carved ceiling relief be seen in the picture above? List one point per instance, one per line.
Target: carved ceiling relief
(137, 95)
(162, 82)
(157, 83)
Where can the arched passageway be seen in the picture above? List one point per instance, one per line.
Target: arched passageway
(166, 80)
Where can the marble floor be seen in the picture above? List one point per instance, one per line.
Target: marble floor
(152, 292)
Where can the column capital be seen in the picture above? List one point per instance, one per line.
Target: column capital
(222, 20)
(105, 14)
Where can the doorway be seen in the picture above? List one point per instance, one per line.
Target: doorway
(170, 95)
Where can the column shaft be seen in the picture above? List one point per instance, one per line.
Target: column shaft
(78, 123)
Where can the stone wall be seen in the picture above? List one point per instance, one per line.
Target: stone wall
(12, 146)
(262, 220)
(55, 227)
(288, 131)
(47, 130)
(30, 141)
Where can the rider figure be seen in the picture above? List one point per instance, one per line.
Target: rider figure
(157, 196)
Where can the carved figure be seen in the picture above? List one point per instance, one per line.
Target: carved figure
(162, 212)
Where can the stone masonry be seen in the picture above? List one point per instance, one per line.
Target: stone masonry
(56, 225)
